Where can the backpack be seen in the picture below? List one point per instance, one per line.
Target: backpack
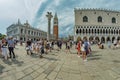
(86, 45)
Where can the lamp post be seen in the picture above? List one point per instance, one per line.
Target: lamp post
(49, 16)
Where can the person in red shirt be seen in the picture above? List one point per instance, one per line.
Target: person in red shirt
(79, 47)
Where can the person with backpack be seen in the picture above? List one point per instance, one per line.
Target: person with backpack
(86, 47)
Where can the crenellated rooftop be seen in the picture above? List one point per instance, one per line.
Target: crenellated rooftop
(96, 9)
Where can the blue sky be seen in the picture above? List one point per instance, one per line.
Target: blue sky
(35, 10)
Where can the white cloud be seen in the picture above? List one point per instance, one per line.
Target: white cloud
(11, 10)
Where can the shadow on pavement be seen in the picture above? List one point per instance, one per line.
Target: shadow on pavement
(19, 63)
(34, 55)
(1, 68)
(94, 57)
(7, 62)
(116, 61)
(51, 59)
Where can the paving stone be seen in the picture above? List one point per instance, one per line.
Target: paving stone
(28, 71)
(41, 77)
(85, 76)
(35, 67)
(27, 78)
(52, 75)
(40, 70)
(34, 74)
(19, 75)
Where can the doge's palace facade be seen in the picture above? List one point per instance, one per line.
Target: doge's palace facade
(97, 24)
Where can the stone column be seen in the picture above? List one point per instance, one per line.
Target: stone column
(49, 16)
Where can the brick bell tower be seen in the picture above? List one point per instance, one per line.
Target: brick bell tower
(55, 27)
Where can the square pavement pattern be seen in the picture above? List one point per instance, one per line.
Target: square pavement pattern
(59, 65)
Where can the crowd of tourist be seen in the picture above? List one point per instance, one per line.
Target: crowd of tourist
(43, 46)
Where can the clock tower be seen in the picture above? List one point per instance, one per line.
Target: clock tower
(55, 26)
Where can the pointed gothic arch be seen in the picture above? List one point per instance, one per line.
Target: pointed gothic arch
(85, 19)
(103, 39)
(89, 31)
(91, 38)
(99, 19)
(108, 39)
(77, 31)
(97, 39)
(113, 20)
(118, 38)
(80, 31)
(113, 38)
(98, 31)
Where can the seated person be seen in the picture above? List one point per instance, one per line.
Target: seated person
(100, 45)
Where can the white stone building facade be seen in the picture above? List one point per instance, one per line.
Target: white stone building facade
(97, 24)
(26, 31)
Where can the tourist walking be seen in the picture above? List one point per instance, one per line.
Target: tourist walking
(41, 50)
(68, 47)
(86, 47)
(109, 44)
(29, 47)
(11, 46)
(4, 49)
(79, 48)
(83, 51)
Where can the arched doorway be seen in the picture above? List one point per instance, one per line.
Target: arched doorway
(102, 39)
(108, 39)
(118, 38)
(97, 39)
(113, 38)
(91, 38)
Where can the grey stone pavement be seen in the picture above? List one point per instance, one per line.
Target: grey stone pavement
(57, 65)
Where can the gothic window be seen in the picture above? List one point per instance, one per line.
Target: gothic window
(95, 31)
(85, 19)
(116, 31)
(111, 31)
(98, 31)
(113, 20)
(92, 31)
(106, 31)
(89, 31)
(101, 31)
(86, 31)
(77, 31)
(99, 19)
(83, 31)
(80, 31)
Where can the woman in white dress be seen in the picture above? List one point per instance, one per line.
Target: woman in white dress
(4, 49)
